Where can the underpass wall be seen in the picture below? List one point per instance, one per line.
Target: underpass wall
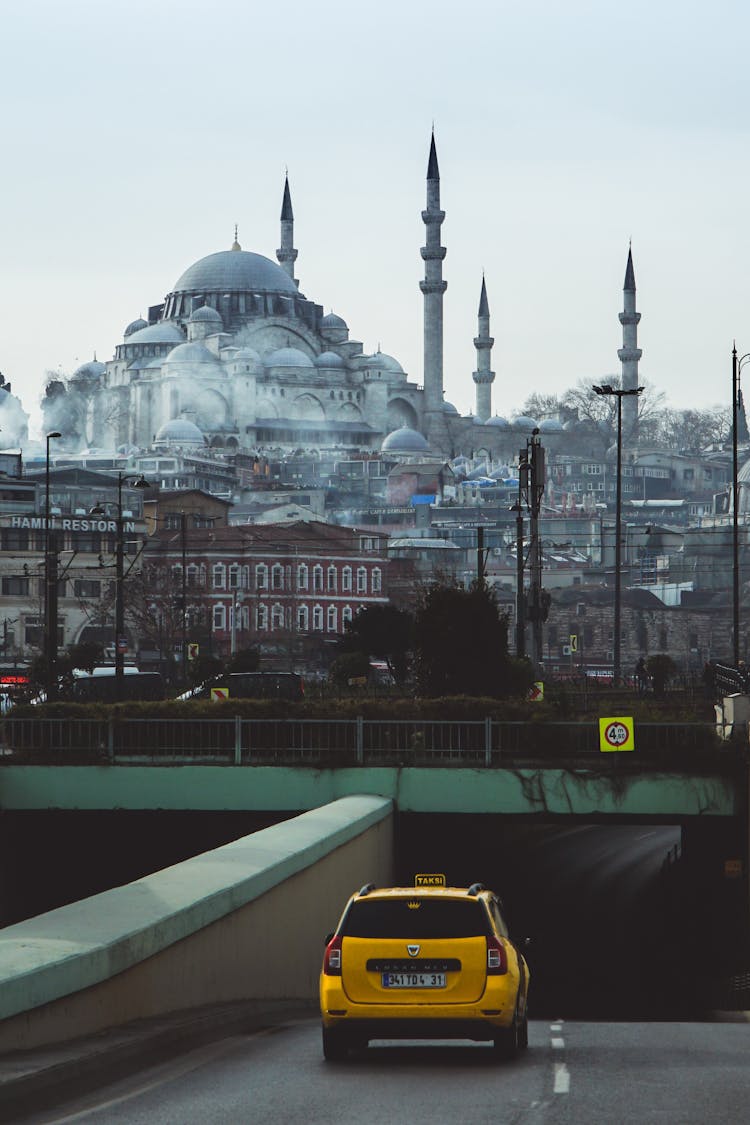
(245, 921)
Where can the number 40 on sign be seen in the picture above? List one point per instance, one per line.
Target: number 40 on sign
(616, 734)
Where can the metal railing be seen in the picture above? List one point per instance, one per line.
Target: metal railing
(234, 740)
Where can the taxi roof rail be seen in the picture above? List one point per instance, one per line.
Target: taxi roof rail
(366, 889)
(475, 888)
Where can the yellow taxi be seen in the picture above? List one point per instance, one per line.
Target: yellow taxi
(423, 962)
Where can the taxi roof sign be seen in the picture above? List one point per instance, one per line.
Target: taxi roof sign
(429, 880)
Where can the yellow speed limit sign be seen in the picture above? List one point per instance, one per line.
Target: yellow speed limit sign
(616, 734)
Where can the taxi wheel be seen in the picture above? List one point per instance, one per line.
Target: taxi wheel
(523, 1033)
(335, 1045)
(507, 1042)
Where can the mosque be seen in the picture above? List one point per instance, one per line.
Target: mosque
(237, 358)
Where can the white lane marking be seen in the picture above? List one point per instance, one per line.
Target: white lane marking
(645, 835)
(562, 1079)
(558, 1043)
(556, 1026)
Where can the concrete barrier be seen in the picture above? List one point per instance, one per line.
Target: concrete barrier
(246, 921)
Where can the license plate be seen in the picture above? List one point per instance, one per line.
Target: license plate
(413, 980)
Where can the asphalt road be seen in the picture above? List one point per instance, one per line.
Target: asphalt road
(682, 1073)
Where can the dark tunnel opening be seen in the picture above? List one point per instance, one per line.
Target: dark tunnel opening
(624, 921)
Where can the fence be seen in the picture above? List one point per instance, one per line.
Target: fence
(483, 742)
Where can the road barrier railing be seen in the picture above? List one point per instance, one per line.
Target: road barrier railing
(234, 740)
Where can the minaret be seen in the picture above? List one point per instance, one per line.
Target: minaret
(286, 253)
(629, 353)
(433, 288)
(483, 376)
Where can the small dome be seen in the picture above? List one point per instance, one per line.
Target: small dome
(550, 426)
(523, 422)
(288, 357)
(206, 314)
(192, 352)
(449, 408)
(333, 321)
(245, 355)
(329, 359)
(384, 362)
(405, 440)
(182, 431)
(499, 422)
(91, 370)
(161, 333)
(135, 326)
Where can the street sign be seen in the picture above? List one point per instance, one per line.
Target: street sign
(616, 734)
(573, 642)
(536, 691)
(193, 650)
(219, 694)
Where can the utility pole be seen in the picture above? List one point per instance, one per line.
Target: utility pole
(536, 492)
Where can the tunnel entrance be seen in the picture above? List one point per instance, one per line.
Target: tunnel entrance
(624, 920)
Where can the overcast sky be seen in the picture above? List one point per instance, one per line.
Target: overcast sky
(135, 135)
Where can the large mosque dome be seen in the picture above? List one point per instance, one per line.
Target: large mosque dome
(235, 271)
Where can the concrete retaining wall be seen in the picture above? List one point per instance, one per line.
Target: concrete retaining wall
(246, 921)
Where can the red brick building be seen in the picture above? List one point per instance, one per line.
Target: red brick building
(256, 585)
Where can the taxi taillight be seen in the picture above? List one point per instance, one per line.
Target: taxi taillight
(332, 958)
(497, 958)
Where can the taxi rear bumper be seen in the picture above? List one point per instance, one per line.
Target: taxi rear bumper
(479, 1028)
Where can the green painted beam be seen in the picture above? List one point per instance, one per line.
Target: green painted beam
(558, 792)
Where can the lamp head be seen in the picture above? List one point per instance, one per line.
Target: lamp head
(55, 433)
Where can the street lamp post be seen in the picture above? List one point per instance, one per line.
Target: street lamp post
(619, 393)
(737, 365)
(50, 586)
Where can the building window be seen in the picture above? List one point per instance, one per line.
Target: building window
(361, 580)
(261, 618)
(261, 576)
(331, 580)
(33, 631)
(234, 577)
(332, 622)
(86, 588)
(277, 577)
(302, 578)
(377, 580)
(277, 616)
(318, 579)
(219, 617)
(318, 618)
(302, 616)
(219, 576)
(192, 575)
(15, 584)
(346, 615)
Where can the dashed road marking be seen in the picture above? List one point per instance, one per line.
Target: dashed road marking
(562, 1079)
(558, 1042)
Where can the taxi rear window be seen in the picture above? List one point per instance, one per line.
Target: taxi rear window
(432, 918)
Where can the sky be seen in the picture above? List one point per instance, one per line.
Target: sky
(135, 135)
